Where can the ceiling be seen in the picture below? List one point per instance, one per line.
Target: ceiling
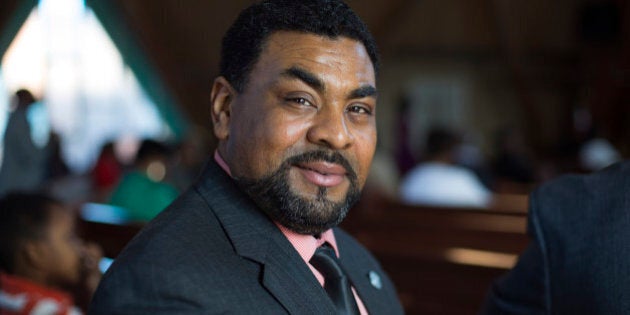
(183, 38)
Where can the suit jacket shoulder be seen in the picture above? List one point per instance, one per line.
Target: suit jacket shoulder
(212, 252)
(578, 259)
(582, 222)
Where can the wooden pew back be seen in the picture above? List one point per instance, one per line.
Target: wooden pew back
(111, 237)
(442, 260)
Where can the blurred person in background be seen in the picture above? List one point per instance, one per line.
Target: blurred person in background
(24, 161)
(597, 154)
(42, 259)
(403, 155)
(143, 191)
(189, 158)
(56, 167)
(438, 180)
(469, 155)
(61, 183)
(106, 172)
(512, 161)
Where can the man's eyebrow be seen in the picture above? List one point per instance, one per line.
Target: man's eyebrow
(313, 81)
(309, 78)
(363, 91)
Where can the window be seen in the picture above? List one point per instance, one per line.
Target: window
(64, 57)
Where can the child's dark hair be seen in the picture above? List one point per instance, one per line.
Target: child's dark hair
(23, 216)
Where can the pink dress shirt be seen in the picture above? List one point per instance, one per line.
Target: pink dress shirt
(305, 245)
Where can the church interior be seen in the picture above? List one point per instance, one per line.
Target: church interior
(531, 90)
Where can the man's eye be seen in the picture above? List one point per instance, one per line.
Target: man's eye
(300, 100)
(359, 110)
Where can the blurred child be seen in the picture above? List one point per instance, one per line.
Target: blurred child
(42, 258)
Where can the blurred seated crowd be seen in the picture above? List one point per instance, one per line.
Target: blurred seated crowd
(45, 266)
(40, 198)
(448, 169)
(445, 168)
(153, 167)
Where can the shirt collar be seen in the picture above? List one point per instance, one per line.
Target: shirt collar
(307, 244)
(221, 162)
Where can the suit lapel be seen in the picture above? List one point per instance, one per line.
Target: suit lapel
(368, 280)
(293, 284)
(370, 296)
(255, 237)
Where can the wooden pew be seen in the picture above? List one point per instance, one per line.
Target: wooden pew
(107, 226)
(111, 237)
(442, 260)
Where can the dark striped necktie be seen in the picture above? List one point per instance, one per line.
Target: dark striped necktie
(336, 282)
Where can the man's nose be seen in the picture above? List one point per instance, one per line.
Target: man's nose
(330, 128)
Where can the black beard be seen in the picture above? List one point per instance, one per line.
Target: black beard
(304, 216)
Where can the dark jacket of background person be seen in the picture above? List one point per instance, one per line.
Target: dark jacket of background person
(578, 261)
(213, 249)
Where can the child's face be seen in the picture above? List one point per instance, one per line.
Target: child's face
(62, 248)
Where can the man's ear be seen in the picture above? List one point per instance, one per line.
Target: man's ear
(222, 97)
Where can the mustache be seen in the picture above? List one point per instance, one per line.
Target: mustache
(325, 156)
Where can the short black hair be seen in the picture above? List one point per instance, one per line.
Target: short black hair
(150, 148)
(23, 216)
(244, 41)
(24, 98)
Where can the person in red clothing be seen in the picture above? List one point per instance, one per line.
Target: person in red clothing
(41, 257)
(106, 172)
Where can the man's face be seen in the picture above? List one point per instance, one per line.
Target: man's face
(301, 136)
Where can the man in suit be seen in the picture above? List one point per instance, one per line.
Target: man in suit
(294, 113)
(578, 261)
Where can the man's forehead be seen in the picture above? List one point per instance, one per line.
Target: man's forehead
(283, 41)
(285, 50)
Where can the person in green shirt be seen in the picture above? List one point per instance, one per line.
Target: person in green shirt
(143, 191)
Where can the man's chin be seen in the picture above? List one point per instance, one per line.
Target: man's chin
(314, 193)
(302, 230)
(301, 204)
(308, 228)
(320, 196)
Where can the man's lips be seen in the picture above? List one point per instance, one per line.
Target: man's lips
(323, 173)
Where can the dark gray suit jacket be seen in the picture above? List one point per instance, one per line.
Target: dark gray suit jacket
(214, 252)
(578, 261)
